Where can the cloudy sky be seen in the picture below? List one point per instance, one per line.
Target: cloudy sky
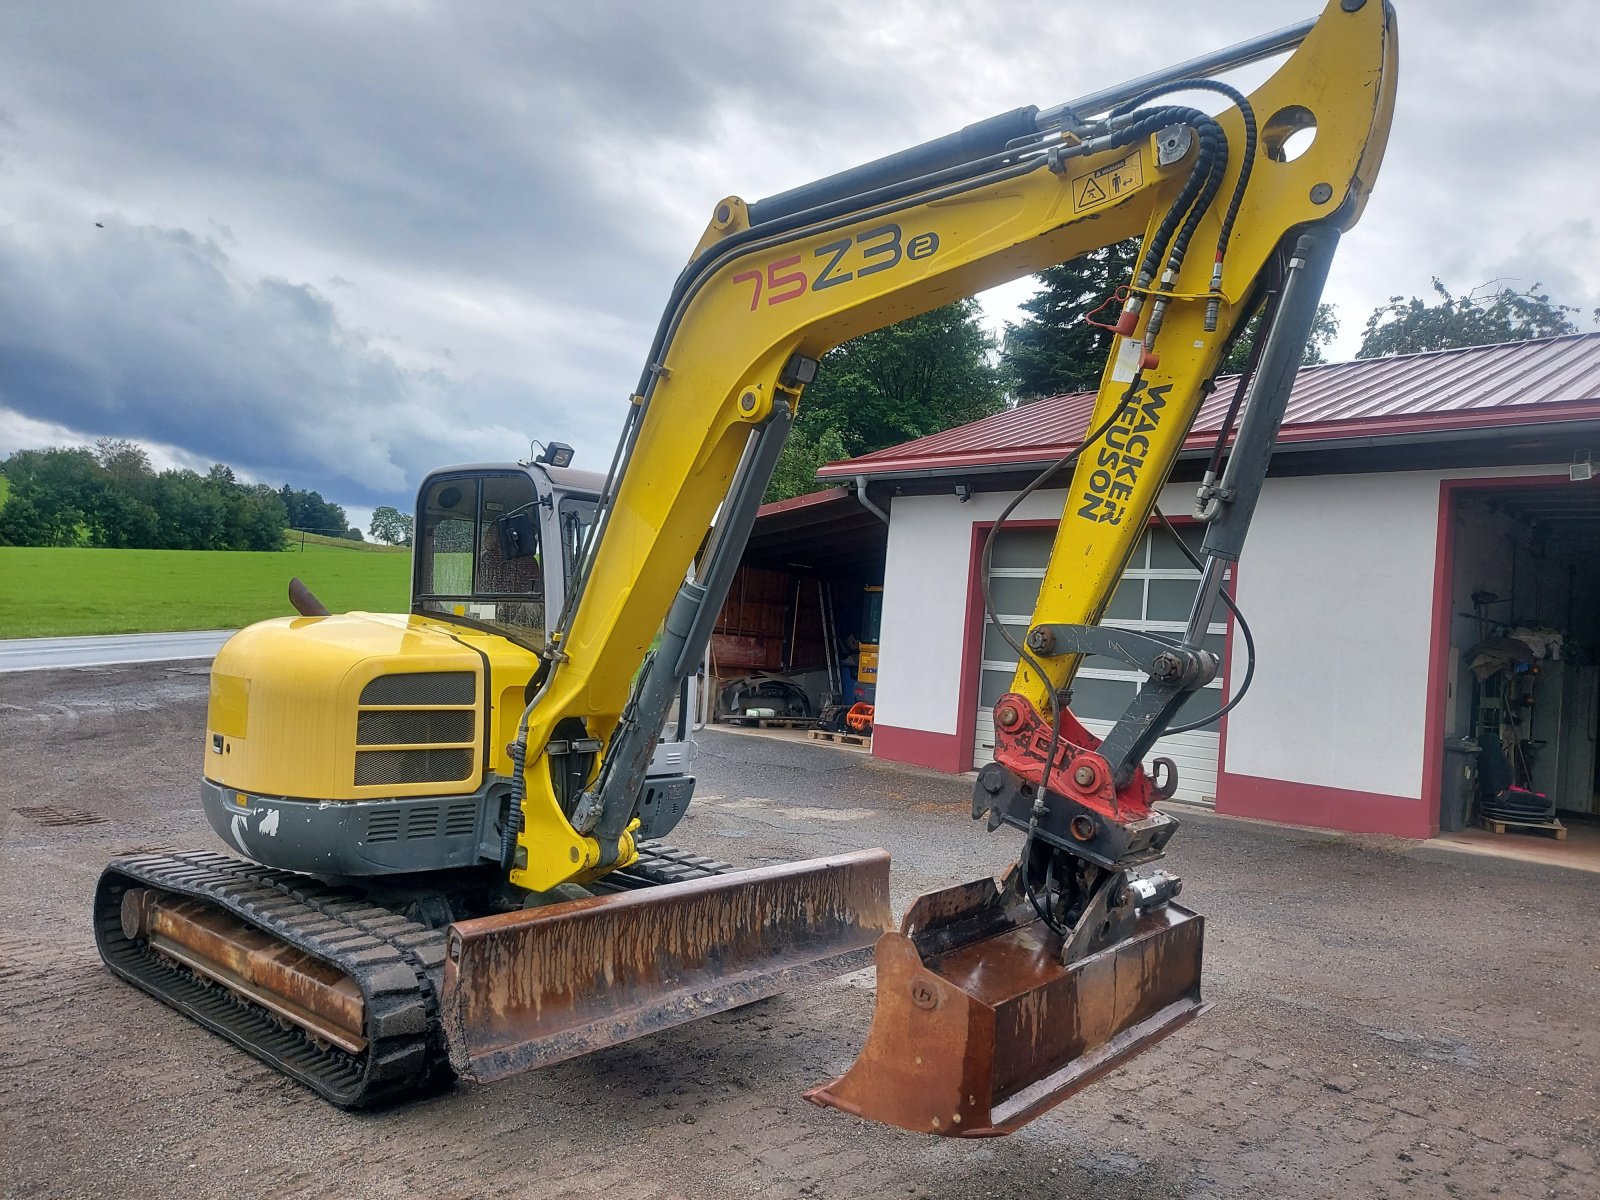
(336, 242)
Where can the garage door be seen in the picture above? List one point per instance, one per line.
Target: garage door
(1156, 594)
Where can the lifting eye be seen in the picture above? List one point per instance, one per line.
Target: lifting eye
(1289, 133)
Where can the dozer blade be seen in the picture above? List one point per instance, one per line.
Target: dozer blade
(526, 989)
(979, 1028)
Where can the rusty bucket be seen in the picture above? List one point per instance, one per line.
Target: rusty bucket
(979, 1028)
(527, 989)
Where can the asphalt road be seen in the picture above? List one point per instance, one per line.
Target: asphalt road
(1389, 1020)
(46, 653)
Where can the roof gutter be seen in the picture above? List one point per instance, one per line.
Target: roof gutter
(866, 500)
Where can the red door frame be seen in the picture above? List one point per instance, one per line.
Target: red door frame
(1444, 565)
(972, 637)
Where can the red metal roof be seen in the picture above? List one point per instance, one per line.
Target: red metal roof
(1478, 387)
(809, 500)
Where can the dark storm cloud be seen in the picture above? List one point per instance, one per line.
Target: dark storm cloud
(156, 335)
(516, 140)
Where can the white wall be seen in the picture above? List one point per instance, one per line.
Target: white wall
(925, 588)
(1336, 582)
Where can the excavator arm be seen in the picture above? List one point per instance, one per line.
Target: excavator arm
(1235, 217)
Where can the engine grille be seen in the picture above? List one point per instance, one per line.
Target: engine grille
(422, 733)
(375, 768)
(422, 687)
(403, 727)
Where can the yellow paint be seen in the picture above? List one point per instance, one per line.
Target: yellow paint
(229, 704)
(303, 677)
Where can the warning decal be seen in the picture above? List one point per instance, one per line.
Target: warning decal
(1108, 184)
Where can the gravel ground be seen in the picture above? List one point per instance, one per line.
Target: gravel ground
(1390, 1020)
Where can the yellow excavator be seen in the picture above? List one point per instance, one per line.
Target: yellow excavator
(451, 818)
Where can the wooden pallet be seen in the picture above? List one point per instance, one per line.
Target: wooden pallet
(773, 722)
(843, 739)
(1495, 825)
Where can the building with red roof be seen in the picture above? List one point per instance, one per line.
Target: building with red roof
(1416, 508)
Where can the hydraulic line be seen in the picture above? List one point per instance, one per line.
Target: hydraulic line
(1244, 630)
(1247, 164)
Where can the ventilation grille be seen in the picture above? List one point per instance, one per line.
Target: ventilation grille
(461, 819)
(423, 821)
(390, 728)
(383, 825)
(422, 687)
(375, 768)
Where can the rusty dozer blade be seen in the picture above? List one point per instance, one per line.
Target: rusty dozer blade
(979, 1028)
(527, 989)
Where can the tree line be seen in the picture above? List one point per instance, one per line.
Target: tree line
(943, 369)
(110, 495)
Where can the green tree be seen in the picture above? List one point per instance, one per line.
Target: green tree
(1324, 328)
(254, 519)
(904, 381)
(125, 520)
(191, 514)
(390, 525)
(21, 524)
(308, 510)
(1053, 350)
(803, 455)
(127, 463)
(66, 489)
(1485, 315)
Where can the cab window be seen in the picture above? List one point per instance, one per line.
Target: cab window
(478, 552)
(576, 517)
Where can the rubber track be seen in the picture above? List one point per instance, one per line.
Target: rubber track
(397, 964)
(658, 864)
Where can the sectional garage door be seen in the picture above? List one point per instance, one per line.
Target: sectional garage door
(1155, 595)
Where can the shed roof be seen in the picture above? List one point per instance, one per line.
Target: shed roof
(828, 532)
(1394, 399)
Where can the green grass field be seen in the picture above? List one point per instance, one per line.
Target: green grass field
(64, 591)
(293, 538)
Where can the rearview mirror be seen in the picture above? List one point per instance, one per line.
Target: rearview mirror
(519, 536)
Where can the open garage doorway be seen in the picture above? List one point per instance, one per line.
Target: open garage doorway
(1520, 710)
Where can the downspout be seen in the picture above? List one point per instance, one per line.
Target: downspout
(866, 500)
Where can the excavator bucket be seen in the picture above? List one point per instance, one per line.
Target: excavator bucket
(979, 1028)
(527, 989)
